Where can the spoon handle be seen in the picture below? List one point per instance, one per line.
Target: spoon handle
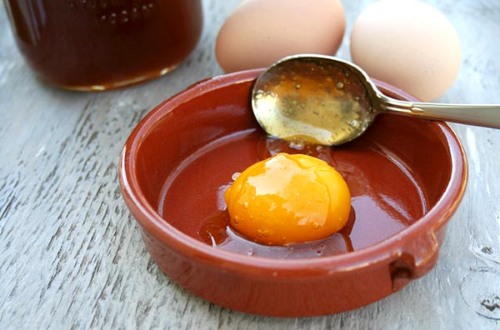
(470, 114)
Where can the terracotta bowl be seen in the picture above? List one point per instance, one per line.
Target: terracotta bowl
(407, 177)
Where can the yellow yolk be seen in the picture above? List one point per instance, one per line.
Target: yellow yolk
(288, 199)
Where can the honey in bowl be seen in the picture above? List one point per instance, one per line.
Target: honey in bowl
(103, 44)
(386, 196)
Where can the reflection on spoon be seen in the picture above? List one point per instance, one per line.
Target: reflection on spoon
(324, 100)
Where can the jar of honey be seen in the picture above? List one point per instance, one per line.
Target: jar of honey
(104, 44)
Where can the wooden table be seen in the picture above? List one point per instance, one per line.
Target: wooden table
(71, 255)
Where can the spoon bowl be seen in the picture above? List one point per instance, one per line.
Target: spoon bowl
(324, 100)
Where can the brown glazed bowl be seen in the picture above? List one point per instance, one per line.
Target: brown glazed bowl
(407, 177)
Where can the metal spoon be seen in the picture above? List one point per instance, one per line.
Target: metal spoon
(325, 100)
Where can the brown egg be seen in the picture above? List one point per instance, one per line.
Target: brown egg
(260, 32)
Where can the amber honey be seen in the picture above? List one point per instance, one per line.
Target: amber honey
(380, 207)
(104, 44)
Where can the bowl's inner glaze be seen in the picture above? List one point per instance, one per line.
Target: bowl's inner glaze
(396, 172)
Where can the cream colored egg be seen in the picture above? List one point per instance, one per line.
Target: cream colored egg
(260, 32)
(408, 44)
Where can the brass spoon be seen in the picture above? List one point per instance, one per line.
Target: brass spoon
(325, 100)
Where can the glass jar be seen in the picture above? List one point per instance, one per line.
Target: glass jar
(104, 44)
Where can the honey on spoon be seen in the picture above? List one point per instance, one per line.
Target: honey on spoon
(324, 100)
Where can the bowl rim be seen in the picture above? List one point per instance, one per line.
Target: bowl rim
(390, 248)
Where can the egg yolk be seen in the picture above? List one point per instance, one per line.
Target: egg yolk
(288, 199)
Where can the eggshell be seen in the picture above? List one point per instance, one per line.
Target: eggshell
(408, 44)
(260, 32)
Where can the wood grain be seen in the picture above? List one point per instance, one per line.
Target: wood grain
(71, 256)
